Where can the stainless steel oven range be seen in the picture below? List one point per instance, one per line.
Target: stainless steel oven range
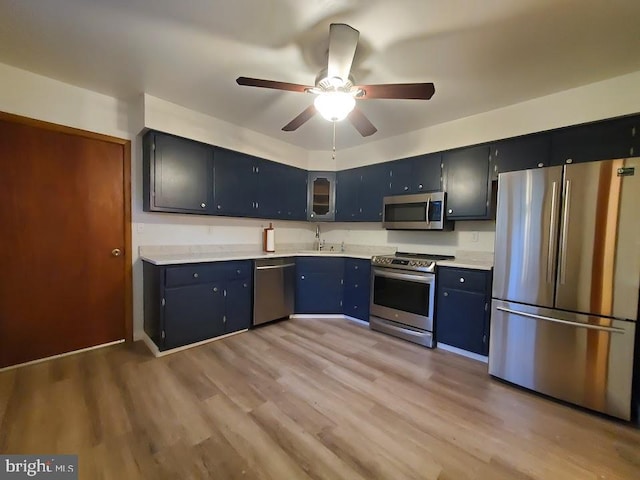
(403, 296)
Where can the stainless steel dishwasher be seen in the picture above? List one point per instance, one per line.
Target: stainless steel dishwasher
(274, 283)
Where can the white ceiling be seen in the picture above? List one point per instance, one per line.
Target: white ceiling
(481, 55)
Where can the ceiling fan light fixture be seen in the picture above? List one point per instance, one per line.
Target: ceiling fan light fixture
(334, 106)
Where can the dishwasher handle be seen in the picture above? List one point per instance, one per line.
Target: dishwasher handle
(271, 267)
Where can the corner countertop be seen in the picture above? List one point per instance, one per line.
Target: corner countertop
(194, 254)
(179, 255)
(176, 258)
(469, 259)
(464, 263)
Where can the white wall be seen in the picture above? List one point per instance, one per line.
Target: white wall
(475, 236)
(35, 96)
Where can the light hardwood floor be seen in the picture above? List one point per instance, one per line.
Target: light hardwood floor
(300, 399)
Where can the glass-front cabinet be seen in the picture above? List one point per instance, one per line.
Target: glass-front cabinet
(321, 196)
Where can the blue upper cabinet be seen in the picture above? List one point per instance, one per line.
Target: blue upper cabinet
(347, 193)
(426, 173)
(596, 141)
(236, 183)
(247, 186)
(374, 186)
(295, 193)
(467, 183)
(522, 153)
(359, 193)
(178, 174)
(282, 191)
(415, 174)
(400, 177)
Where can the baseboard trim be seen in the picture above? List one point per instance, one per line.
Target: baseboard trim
(74, 352)
(311, 315)
(153, 348)
(356, 320)
(464, 353)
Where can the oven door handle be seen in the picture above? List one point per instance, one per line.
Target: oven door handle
(428, 278)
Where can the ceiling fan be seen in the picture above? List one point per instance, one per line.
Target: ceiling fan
(336, 89)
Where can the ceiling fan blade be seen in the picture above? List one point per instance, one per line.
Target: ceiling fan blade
(305, 116)
(256, 82)
(361, 122)
(343, 41)
(412, 91)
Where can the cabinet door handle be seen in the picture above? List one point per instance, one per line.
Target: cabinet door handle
(301, 277)
(406, 188)
(461, 279)
(420, 186)
(356, 267)
(446, 294)
(195, 275)
(215, 289)
(219, 207)
(355, 286)
(238, 271)
(451, 210)
(245, 285)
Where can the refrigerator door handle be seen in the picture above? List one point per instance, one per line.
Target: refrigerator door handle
(552, 234)
(558, 320)
(565, 232)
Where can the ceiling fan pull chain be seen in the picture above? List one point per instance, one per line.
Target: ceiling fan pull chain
(333, 154)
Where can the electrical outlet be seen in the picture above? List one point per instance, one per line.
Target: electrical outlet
(474, 236)
(140, 228)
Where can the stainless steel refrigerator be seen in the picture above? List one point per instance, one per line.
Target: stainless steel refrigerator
(566, 282)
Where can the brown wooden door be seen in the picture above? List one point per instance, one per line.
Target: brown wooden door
(62, 213)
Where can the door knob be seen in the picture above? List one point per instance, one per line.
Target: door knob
(116, 252)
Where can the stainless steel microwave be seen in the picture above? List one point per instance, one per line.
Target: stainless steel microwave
(421, 211)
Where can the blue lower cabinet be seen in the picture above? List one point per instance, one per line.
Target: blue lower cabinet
(238, 305)
(319, 285)
(189, 303)
(357, 288)
(318, 292)
(462, 308)
(192, 313)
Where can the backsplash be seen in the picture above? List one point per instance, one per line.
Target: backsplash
(474, 236)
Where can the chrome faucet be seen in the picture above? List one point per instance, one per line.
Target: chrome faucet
(316, 243)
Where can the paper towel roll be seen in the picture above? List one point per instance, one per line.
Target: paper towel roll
(269, 239)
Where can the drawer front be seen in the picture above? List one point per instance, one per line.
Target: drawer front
(238, 269)
(463, 279)
(331, 265)
(357, 271)
(193, 274)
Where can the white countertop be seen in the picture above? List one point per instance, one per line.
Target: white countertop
(200, 257)
(467, 263)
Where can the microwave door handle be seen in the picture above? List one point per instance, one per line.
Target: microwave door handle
(428, 216)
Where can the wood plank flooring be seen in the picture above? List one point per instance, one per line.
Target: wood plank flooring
(302, 399)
